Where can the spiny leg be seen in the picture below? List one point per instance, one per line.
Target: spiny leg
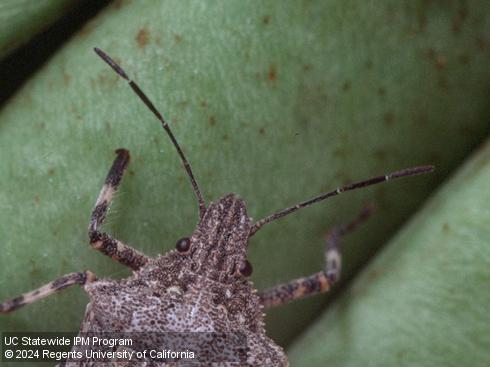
(102, 241)
(47, 290)
(317, 282)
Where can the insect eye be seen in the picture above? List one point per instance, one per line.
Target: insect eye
(245, 268)
(183, 245)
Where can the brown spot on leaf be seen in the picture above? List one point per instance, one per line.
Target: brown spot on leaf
(118, 4)
(204, 104)
(389, 118)
(430, 53)
(86, 29)
(481, 43)
(380, 154)
(380, 197)
(441, 62)
(466, 130)
(272, 74)
(66, 79)
(102, 79)
(374, 274)
(177, 38)
(158, 41)
(400, 355)
(340, 152)
(442, 82)
(307, 67)
(464, 59)
(422, 119)
(346, 86)
(51, 172)
(212, 120)
(435, 158)
(381, 91)
(225, 137)
(143, 37)
(445, 227)
(37, 199)
(183, 104)
(262, 131)
(459, 18)
(266, 19)
(34, 271)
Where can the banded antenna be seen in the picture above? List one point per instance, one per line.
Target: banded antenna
(144, 98)
(413, 171)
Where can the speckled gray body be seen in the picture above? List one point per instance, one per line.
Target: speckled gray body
(198, 291)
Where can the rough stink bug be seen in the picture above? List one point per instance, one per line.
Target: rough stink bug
(202, 285)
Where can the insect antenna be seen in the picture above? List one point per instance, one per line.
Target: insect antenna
(413, 171)
(144, 98)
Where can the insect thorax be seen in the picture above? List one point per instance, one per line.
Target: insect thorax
(204, 278)
(197, 291)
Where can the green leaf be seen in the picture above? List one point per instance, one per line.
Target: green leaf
(274, 101)
(22, 19)
(424, 300)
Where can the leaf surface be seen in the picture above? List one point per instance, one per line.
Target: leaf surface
(424, 300)
(275, 102)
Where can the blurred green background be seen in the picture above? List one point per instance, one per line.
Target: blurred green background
(275, 101)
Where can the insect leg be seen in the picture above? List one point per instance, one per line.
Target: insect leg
(47, 290)
(317, 282)
(102, 241)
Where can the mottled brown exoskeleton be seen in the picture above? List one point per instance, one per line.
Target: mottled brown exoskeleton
(202, 285)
